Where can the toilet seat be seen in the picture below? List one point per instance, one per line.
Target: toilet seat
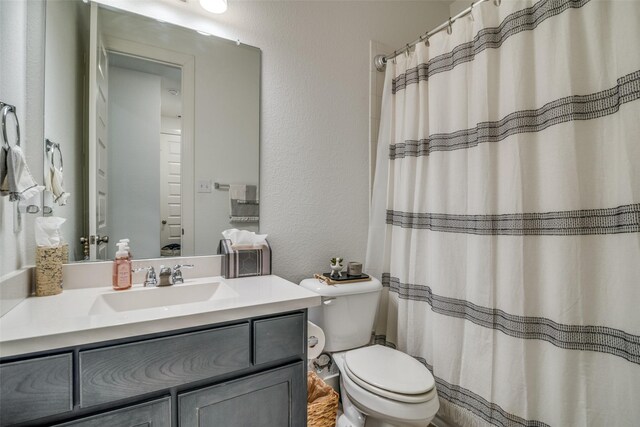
(400, 397)
(389, 373)
(379, 407)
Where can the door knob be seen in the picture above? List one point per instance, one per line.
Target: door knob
(97, 239)
(164, 222)
(85, 248)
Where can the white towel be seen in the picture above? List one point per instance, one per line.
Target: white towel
(54, 182)
(16, 179)
(238, 192)
(243, 203)
(4, 183)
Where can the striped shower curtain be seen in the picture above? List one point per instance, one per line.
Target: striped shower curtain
(505, 220)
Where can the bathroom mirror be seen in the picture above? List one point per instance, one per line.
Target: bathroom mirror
(144, 119)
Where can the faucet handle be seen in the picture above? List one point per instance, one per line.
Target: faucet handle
(176, 273)
(150, 278)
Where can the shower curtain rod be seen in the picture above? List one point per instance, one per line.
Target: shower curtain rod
(380, 60)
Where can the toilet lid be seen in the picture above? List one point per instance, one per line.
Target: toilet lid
(388, 369)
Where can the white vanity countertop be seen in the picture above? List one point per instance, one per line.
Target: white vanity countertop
(69, 319)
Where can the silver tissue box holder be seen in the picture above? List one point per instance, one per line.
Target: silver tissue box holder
(245, 262)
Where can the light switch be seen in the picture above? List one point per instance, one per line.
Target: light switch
(204, 186)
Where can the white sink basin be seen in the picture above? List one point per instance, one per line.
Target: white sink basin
(157, 297)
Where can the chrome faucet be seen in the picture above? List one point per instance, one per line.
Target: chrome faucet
(165, 276)
(150, 278)
(172, 275)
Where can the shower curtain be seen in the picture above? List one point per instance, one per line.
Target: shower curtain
(505, 219)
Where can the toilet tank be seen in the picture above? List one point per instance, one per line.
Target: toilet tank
(347, 312)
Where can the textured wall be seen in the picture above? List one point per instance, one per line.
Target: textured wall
(458, 6)
(315, 119)
(21, 77)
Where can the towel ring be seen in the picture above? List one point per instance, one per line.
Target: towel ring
(51, 146)
(6, 109)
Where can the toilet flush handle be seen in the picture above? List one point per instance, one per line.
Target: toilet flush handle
(327, 300)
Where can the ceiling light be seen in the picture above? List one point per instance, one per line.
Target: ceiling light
(214, 6)
(203, 33)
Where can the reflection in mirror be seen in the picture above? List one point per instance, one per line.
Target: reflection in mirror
(66, 51)
(148, 117)
(144, 127)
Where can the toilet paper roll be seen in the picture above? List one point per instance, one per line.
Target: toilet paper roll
(315, 340)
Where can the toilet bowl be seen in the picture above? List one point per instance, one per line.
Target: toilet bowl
(380, 386)
(388, 387)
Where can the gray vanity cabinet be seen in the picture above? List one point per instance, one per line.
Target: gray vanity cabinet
(272, 399)
(245, 373)
(35, 388)
(121, 371)
(156, 413)
(275, 338)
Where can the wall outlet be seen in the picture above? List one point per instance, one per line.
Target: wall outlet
(204, 186)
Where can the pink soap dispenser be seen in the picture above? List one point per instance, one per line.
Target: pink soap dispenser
(122, 268)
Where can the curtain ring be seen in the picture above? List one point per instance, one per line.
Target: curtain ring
(471, 18)
(497, 2)
(407, 52)
(426, 40)
(449, 27)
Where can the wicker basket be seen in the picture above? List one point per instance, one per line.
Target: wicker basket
(322, 402)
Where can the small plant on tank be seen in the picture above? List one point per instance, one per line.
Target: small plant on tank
(336, 267)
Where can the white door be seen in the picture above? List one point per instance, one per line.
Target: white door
(98, 141)
(170, 190)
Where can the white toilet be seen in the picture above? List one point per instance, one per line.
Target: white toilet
(380, 386)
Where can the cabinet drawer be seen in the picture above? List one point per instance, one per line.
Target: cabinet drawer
(122, 371)
(278, 338)
(156, 413)
(36, 388)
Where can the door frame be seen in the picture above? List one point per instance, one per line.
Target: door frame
(96, 49)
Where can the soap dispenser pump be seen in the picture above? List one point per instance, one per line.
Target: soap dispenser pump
(126, 242)
(122, 268)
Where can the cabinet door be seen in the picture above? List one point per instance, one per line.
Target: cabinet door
(277, 398)
(156, 413)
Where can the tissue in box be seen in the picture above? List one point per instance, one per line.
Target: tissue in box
(245, 260)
